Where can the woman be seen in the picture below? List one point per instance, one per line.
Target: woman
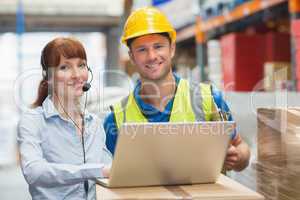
(62, 146)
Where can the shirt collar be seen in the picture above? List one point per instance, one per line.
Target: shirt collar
(50, 110)
(137, 88)
(144, 106)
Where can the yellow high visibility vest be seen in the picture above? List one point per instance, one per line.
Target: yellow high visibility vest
(191, 103)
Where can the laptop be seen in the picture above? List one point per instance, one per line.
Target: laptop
(149, 154)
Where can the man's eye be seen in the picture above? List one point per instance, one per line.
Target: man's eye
(141, 50)
(158, 46)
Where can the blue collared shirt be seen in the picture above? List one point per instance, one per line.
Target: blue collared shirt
(154, 115)
(52, 154)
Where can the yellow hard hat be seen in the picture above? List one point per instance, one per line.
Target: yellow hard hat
(147, 20)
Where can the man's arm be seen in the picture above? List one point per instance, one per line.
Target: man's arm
(238, 153)
(111, 132)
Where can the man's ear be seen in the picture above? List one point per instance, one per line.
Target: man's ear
(131, 56)
(173, 48)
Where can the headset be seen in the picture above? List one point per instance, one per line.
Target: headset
(85, 88)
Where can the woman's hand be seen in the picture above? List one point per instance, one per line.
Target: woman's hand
(106, 171)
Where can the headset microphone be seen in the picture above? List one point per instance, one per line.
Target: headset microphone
(87, 86)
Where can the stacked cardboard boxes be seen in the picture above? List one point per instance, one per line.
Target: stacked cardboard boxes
(277, 75)
(277, 47)
(278, 163)
(214, 63)
(244, 56)
(242, 61)
(295, 31)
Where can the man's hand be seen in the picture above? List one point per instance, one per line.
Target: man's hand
(238, 155)
(233, 158)
(106, 171)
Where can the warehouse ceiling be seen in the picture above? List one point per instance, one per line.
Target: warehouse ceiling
(62, 15)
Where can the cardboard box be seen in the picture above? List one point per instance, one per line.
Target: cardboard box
(277, 47)
(224, 189)
(269, 147)
(295, 27)
(243, 57)
(278, 163)
(297, 61)
(276, 75)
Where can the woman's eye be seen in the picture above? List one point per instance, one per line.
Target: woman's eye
(63, 67)
(83, 65)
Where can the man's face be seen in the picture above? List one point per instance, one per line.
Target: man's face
(152, 55)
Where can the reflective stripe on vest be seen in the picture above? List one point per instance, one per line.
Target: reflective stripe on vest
(191, 103)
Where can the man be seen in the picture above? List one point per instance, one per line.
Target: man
(160, 95)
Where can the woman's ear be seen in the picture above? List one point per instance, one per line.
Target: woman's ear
(49, 76)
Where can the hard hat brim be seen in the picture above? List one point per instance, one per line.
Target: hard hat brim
(171, 33)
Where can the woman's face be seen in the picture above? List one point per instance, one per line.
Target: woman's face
(69, 77)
